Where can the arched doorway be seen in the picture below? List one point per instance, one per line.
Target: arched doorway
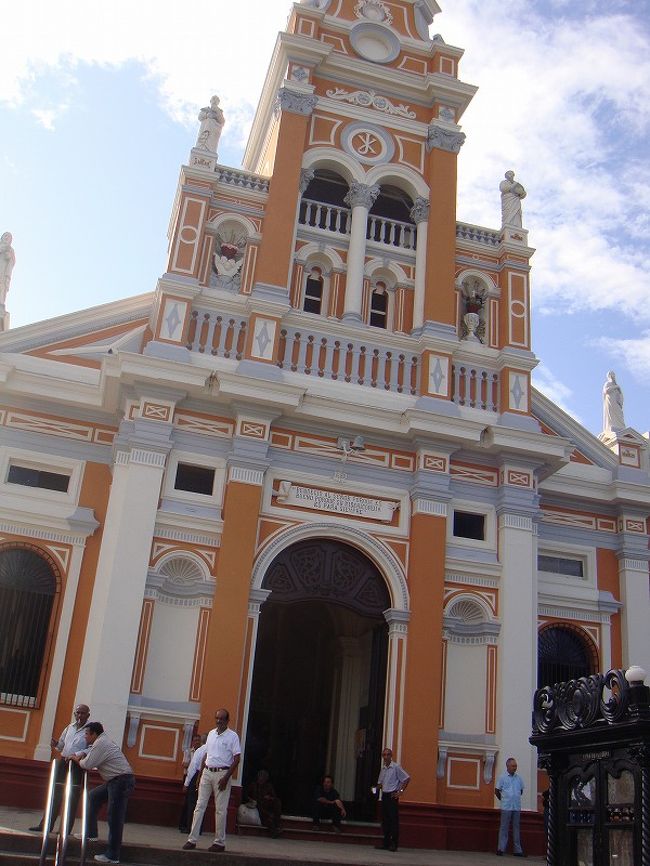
(318, 686)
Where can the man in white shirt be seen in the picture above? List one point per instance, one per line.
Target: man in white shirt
(71, 742)
(392, 783)
(508, 790)
(223, 753)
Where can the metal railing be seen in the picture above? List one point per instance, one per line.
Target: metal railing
(66, 819)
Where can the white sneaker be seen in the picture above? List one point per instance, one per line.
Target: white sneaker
(102, 858)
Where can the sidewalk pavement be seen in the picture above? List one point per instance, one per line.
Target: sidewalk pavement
(285, 850)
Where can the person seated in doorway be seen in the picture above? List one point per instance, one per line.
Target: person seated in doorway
(262, 793)
(328, 804)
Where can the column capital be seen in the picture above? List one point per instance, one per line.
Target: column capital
(440, 138)
(362, 194)
(256, 599)
(397, 620)
(420, 210)
(306, 177)
(295, 102)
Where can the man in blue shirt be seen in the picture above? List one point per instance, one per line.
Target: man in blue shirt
(509, 789)
(392, 783)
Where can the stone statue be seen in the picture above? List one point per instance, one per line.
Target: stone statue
(7, 262)
(512, 193)
(612, 405)
(212, 122)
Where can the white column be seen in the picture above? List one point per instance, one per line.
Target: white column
(420, 215)
(394, 704)
(361, 198)
(114, 618)
(348, 716)
(255, 601)
(517, 663)
(633, 577)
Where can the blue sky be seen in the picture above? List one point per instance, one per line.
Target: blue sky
(98, 105)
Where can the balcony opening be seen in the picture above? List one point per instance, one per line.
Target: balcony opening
(313, 298)
(390, 221)
(323, 206)
(379, 307)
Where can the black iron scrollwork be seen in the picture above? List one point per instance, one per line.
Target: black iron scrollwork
(615, 699)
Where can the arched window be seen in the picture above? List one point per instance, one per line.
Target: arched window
(313, 295)
(379, 307)
(27, 596)
(564, 653)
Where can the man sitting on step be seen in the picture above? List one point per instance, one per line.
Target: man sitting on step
(328, 804)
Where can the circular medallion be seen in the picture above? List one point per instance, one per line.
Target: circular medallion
(374, 42)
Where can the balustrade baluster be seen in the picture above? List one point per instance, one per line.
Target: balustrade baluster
(362, 372)
(203, 335)
(282, 347)
(302, 355)
(472, 388)
(373, 373)
(309, 354)
(295, 351)
(414, 374)
(191, 332)
(338, 364)
(324, 356)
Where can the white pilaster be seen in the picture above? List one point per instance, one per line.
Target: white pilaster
(360, 198)
(633, 577)
(43, 751)
(114, 618)
(420, 214)
(517, 664)
(394, 706)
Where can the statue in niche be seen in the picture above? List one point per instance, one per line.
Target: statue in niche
(228, 260)
(612, 405)
(7, 262)
(512, 193)
(473, 316)
(212, 123)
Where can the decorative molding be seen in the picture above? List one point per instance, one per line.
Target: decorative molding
(420, 211)
(173, 534)
(430, 506)
(45, 533)
(516, 521)
(574, 614)
(306, 177)
(370, 99)
(627, 564)
(444, 139)
(471, 580)
(373, 10)
(245, 475)
(295, 103)
(362, 195)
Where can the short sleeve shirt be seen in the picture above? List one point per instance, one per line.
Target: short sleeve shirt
(222, 748)
(511, 787)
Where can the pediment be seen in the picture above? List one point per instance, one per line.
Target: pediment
(86, 337)
(588, 449)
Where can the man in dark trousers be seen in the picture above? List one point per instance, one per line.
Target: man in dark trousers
(328, 804)
(106, 757)
(392, 783)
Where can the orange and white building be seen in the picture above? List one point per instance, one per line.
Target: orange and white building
(307, 477)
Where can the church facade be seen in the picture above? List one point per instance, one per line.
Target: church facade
(307, 477)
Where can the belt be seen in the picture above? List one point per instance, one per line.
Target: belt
(214, 769)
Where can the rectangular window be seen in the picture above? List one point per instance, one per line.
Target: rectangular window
(313, 295)
(29, 476)
(378, 309)
(468, 525)
(561, 565)
(194, 479)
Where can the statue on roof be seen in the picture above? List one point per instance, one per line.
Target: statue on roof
(212, 123)
(612, 405)
(7, 262)
(512, 193)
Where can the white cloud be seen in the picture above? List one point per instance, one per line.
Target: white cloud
(563, 100)
(634, 352)
(553, 388)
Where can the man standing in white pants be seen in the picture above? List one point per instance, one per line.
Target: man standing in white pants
(221, 761)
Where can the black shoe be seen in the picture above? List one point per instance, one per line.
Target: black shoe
(392, 847)
(499, 853)
(519, 854)
(382, 847)
(37, 829)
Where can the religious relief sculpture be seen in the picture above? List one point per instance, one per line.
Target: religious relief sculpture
(473, 315)
(373, 10)
(228, 260)
(212, 123)
(7, 262)
(612, 405)
(512, 194)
